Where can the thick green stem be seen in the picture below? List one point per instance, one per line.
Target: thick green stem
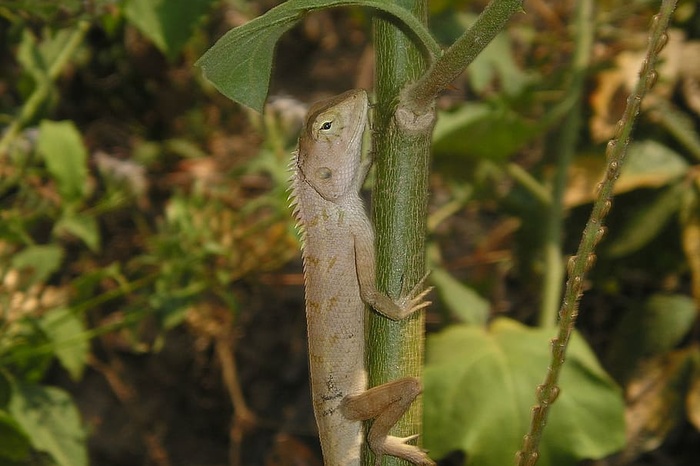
(565, 146)
(594, 231)
(395, 349)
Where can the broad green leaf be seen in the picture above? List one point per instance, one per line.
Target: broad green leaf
(81, 226)
(648, 329)
(168, 23)
(66, 157)
(646, 223)
(649, 164)
(680, 124)
(43, 260)
(52, 422)
(240, 63)
(480, 385)
(68, 338)
(14, 444)
(482, 131)
(462, 301)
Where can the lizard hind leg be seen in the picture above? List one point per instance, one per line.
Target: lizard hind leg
(386, 404)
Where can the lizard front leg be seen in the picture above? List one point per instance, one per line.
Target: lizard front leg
(386, 404)
(365, 262)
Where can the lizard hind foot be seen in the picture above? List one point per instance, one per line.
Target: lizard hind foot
(397, 446)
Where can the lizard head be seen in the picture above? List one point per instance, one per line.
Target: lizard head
(330, 144)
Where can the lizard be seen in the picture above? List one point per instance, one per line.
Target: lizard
(338, 254)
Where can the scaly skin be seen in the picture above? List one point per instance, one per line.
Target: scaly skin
(339, 274)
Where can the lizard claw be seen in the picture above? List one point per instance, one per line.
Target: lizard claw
(414, 300)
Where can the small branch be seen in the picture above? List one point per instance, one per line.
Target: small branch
(43, 88)
(594, 231)
(244, 419)
(530, 183)
(419, 97)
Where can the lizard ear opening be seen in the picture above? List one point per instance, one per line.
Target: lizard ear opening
(324, 173)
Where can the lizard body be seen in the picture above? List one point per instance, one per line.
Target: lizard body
(339, 276)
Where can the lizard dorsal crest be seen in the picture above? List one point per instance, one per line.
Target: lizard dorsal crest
(329, 149)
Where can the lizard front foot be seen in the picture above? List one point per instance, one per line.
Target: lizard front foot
(414, 300)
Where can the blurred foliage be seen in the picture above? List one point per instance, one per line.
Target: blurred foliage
(133, 198)
(110, 227)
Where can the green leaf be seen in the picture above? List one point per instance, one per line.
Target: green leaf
(15, 445)
(495, 63)
(31, 59)
(649, 164)
(645, 224)
(462, 301)
(648, 329)
(167, 23)
(66, 157)
(41, 11)
(37, 58)
(68, 338)
(480, 385)
(43, 260)
(52, 422)
(24, 350)
(482, 131)
(81, 226)
(5, 390)
(240, 63)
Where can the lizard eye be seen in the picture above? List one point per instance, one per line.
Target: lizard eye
(324, 173)
(326, 125)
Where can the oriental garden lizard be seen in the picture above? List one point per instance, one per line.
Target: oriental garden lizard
(339, 276)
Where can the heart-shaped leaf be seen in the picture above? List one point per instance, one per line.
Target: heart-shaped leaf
(480, 385)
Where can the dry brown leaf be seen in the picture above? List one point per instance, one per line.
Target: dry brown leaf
(690, 236)
(615, 84)
(692, 401)
(656, 401)
(289, 451)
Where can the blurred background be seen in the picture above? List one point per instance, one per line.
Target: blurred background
(150, 280)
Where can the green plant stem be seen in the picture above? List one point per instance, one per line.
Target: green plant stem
(566, 141)
(43, 87)
(395, 349)
(460, 54)
(530, 183)
(594, 231)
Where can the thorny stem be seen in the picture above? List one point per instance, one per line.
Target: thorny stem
(592, 234)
